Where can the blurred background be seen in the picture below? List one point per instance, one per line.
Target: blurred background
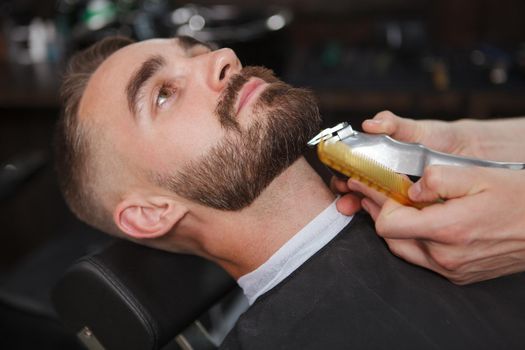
(444, 59)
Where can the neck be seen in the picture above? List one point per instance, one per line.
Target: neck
(243, 240)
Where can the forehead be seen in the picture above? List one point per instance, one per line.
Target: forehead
(130, 56)
(136, 52)
(110, 78)
(140, 50)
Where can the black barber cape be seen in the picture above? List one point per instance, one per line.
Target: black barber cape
(354, 294)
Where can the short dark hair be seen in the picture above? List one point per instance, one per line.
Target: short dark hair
(73, 142)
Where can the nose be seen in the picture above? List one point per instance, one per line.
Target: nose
(223, 64)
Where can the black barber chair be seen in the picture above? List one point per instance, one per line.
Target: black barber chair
(132, 297)
(118, 295)
(27, 318)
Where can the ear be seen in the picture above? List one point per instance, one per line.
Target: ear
(148, 218)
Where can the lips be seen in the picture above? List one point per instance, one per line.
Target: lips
(248, 92)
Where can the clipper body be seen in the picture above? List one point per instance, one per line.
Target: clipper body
(401, 157)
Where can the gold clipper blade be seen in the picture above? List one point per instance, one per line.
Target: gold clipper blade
(340, 157)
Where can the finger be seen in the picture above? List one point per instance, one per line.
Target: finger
(447, 182)
(382, 123)
(397, 221)
(415, 252)
(448, 261)
(338, 185)
(410, 250)
(348, 204)
(386, 122)
(378, 197)
(486, 274)
(438, 222)
(371, 207)
(464, 260)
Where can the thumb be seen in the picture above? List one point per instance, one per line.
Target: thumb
(401, 129)
(446, 182)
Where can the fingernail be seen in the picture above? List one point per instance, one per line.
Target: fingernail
(374, 121)
(414, 190)
(353, 184)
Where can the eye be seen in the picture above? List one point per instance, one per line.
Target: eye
(164, 94)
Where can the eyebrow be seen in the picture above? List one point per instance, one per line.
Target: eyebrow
(147, 70)
(188, 42)
(151, 66)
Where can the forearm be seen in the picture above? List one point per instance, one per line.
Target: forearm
(497, 139)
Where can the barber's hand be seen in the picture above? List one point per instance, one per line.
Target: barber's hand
(350, 202)
(442, 136)
(478, 233)
(449, 137)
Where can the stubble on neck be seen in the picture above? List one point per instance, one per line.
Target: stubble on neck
(251, 236)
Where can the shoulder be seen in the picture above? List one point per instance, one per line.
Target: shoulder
(355, 293)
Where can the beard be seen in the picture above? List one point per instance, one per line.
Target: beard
(235, 171)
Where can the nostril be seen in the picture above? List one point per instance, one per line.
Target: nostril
(223, 72)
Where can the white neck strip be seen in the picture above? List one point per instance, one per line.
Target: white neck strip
(310, 239)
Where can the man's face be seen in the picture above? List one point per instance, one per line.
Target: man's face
(196, 122)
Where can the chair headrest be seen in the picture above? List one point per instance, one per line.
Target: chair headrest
(133, 297)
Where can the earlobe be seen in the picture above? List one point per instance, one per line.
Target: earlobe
(148, 219)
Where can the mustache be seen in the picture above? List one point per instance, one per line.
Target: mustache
(225, 109)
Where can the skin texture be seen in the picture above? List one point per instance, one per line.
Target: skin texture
(174, 127)
(478, 232)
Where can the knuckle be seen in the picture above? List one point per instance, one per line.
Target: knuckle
(460, 280)
(446, 234)
(381, 227)
(445, 261)
(462, 277)
(385, 114)
(432, 178)
(449, 264)
(394, 247)
(454, 234)
(460, 237)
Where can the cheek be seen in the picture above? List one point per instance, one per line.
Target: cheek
(186, 135)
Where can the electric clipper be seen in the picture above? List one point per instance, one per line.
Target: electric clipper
(379, 161)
